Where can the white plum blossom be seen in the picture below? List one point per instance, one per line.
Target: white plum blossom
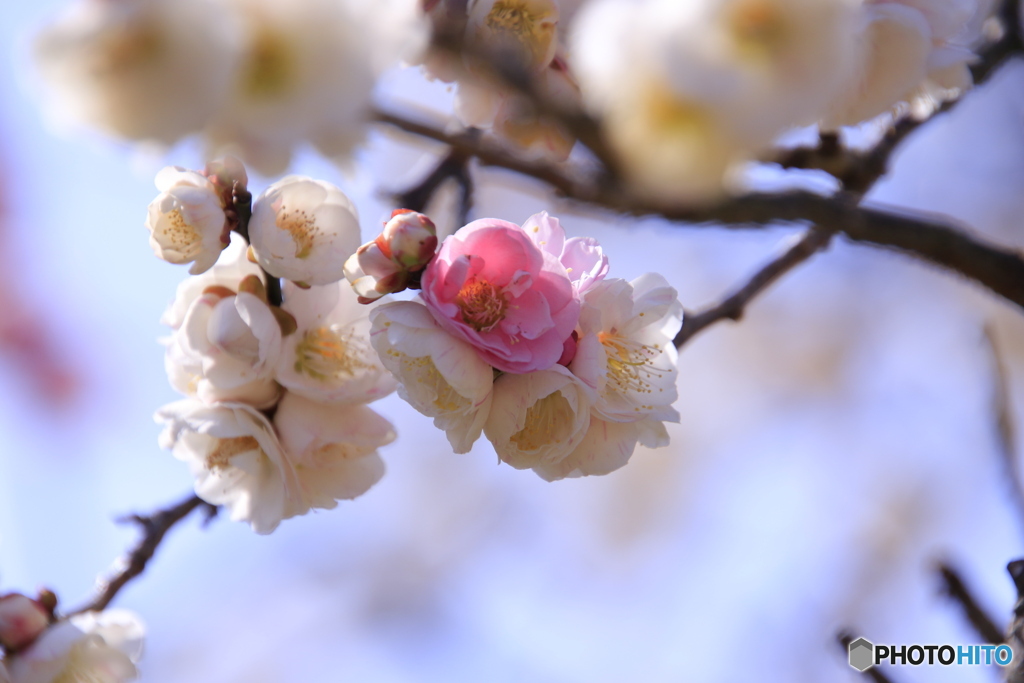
(911, 48)
(687, 89)
(306, 72)
(625, 351)
(441, 376)
(237, 461)
(95, 647)
(304, 230)
(22, 619)
(539, 418)
(139, 69)
(230, 341)
(332, 448)
(186, 221)
(228, 272)
(329, 358)
(312, 455)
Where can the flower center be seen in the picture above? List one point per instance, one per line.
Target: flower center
(326, 353)
(268, 71)
(220, 457)
(630, 365)
(182, 235)
(548, 421)
(516, 24)
(482, 304)
(424, 377)
(303, 229)
(758, 28)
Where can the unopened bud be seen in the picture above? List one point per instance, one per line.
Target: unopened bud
(22, 619)
(393, 261)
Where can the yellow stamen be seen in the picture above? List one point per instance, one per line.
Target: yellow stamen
(548, 421)
(482, 304)
(220, 457)
(329, 353)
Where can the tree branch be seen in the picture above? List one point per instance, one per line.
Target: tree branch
(932, 239)
(733, 306)
(154, 527)
(954, 587)
(1005, 427)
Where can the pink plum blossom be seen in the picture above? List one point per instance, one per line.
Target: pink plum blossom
(22, 619)
(491, 286)
(582, 257)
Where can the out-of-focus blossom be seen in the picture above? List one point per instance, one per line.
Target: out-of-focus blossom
(236, 459)
(140, 69)
(98, 648)
(304, 230)
(332, 448)
(228, 272)
(22, 619)
(538, 418)
(687, 89)
(235, 339)
(582, 257)
(186, 221)
(441, 376)
(4, 676)
(911, 48)
(625, 351)
(328, 358)
(306, 71)
(391, 261)
(491, 286)
(521, 35)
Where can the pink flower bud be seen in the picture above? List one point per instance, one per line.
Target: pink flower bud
(411, 238)
(393, 261)
(21, 621)
(228, 176)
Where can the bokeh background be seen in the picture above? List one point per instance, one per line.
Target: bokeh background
(834, 444)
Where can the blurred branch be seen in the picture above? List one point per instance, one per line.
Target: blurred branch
(1015, 634)
(931, 238)
(733, 306)
(874, 673)
(154, 527)
(954, 586)
(454, 166)
(1006, 431)
(858, 171)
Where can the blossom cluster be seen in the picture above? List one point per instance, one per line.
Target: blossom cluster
(255, 77)
(99, 647)
(523, 36)
(518, 334)
(275, 422)
(685, 90)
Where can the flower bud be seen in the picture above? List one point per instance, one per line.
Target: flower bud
(228, 176)
(392, 262)
(21, 621)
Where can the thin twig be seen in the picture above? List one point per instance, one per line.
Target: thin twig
(1005, 426)
(154, 527)
(954, 586)
(874, 673)
(733, 306)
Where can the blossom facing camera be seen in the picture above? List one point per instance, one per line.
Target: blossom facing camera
(491, 286)
(96, 647)
(22, 619)
(187, 223)
(538, 419)
(304, 230)
(391, 262)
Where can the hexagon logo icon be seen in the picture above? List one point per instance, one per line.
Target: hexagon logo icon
(862, 654)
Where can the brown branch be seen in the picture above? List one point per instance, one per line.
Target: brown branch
(874, 673)
(954, 587)
(733, 306)
(1015, 634)
(154, 527)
